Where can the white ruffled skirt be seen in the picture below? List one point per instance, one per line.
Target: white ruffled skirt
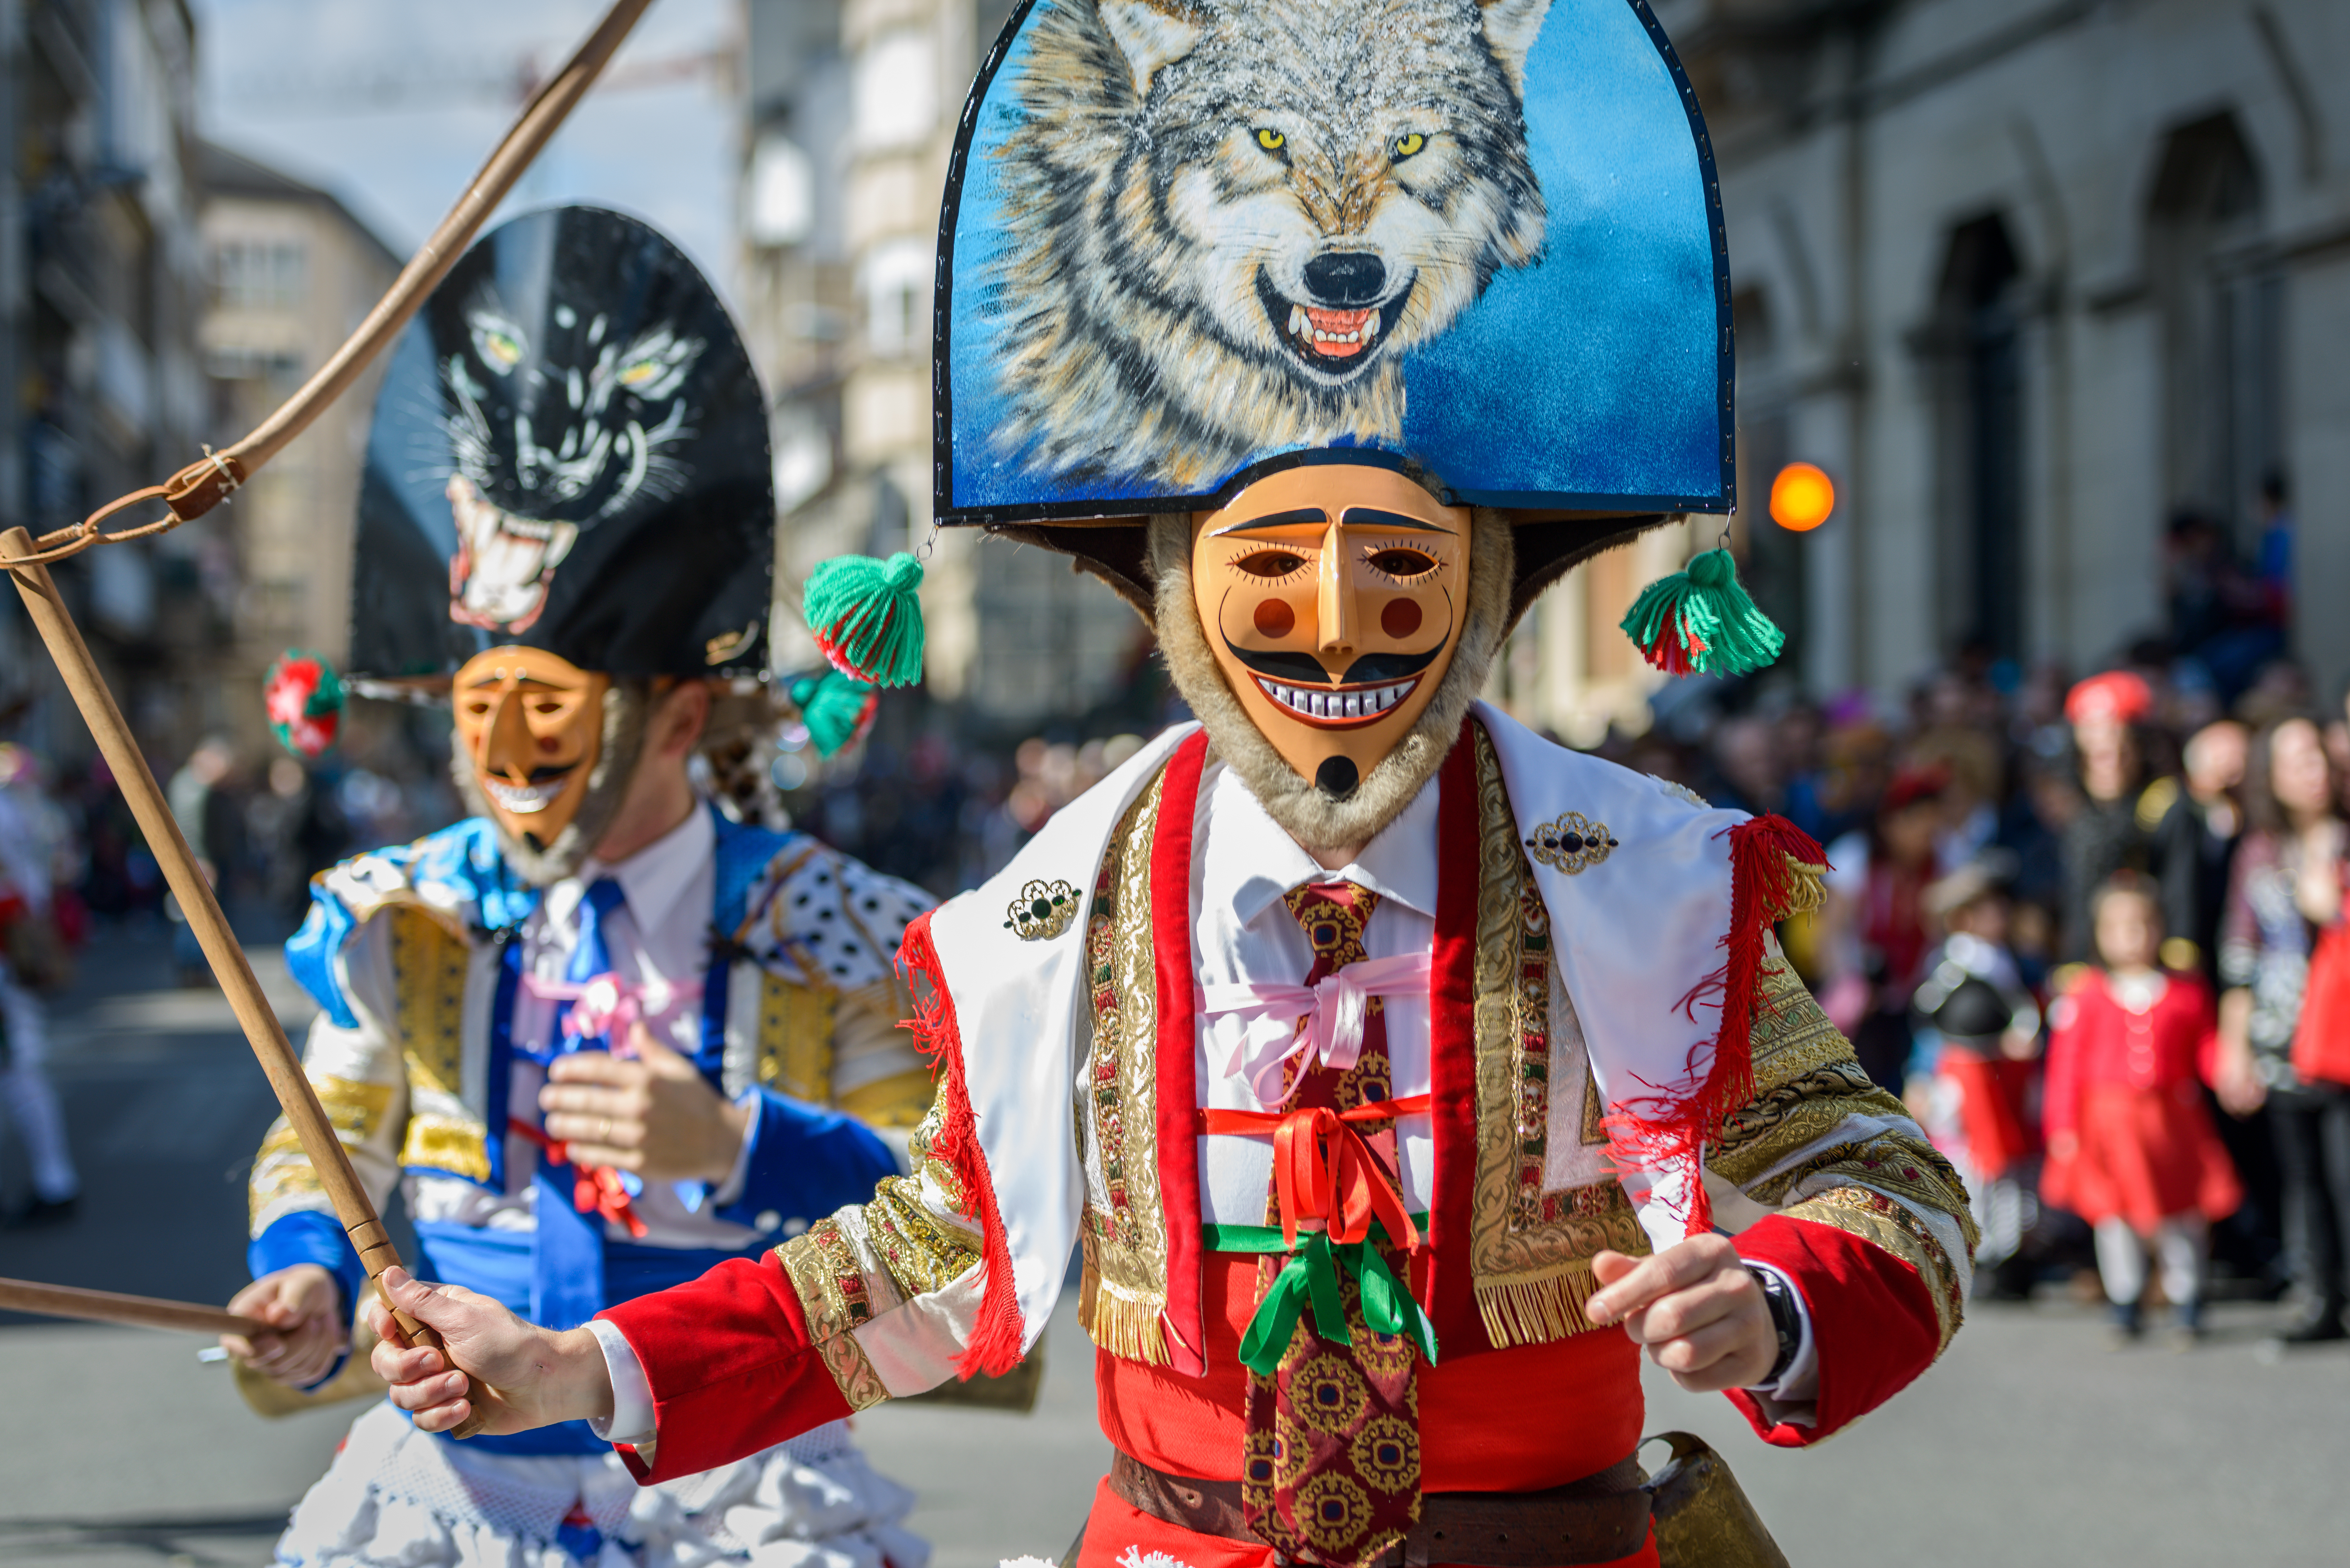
(396, 1498)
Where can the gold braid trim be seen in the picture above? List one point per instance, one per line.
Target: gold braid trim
(281, 1168)
(795, 1039)
(920, 1255)
(1531, 1251)
(1807, 1082)
(429, 966)
(831, 1287)
(1902, 1166)
(1791, 1035)
(1124, 1288)
(1122, 1324)
(1885, 1222)
(445, 1143)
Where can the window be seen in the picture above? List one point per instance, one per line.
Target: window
(783, 192)
(896, 281)
(260, 275)
(2221, 304)
(896, 102)
(1976, 348)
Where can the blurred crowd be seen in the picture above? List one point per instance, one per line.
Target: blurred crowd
(2088, 930)
(2091, 933)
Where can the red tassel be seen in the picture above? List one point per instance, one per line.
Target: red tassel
(1674, 650)
(1672, 1127)
(995, 1340)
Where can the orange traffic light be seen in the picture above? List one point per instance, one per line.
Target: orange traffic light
(1802, 497)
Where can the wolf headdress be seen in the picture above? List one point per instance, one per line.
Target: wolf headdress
(1188, 242)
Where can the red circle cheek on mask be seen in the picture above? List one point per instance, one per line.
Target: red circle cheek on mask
(1275, 618)
(1401, 619)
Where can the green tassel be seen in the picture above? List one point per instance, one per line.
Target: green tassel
(867, 618)
(835, 709)
(1701, 619)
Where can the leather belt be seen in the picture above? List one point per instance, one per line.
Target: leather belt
(1598, 1519)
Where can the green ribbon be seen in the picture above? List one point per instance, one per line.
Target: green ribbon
(1311, 1278)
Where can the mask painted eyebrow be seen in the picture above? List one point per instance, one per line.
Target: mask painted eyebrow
(1275, 520)
(1372, 517)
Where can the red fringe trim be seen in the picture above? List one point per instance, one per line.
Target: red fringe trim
(995, 1338)
(1672, 1125)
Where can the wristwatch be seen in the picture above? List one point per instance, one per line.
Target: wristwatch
(1787, 1319)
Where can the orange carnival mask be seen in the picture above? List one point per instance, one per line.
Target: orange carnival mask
(531, 725)
(1333, 597)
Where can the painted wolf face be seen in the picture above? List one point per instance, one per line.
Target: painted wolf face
(1230, 220)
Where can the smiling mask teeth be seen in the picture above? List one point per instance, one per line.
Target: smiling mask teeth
(1353, 705)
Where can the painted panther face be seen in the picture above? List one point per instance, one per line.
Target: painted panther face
(571, 453)
(571, 417)
(555, 423)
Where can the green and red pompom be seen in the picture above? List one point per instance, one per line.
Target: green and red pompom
(867, 618)
(1701, 621)
(836, 710)
(305, 700)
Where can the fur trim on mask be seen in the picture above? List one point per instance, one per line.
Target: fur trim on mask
(1317, 820)
(733, 763)
(628, 708)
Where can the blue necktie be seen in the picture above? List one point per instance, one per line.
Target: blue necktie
(567, 1279)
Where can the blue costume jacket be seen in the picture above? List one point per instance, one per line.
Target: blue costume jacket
(415, 955)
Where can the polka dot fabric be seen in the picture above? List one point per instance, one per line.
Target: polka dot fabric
(836, 919)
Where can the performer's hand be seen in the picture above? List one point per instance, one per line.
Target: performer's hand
(1696, 1308)
(304, 1307)
(533, 1376)
(653, 1113)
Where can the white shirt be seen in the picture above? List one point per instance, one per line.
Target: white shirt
(1241, 866)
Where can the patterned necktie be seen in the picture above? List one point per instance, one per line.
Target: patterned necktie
(1331, 1471)
(566, 1276)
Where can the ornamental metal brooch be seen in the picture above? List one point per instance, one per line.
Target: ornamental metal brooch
(1571, 842)
(1043, 911)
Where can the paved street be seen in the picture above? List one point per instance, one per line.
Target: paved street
(2029, 1445)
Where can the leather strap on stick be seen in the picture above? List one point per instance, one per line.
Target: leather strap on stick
(278, 1060)
(214, 477)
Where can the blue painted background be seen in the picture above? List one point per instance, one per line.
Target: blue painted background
(1592, 375)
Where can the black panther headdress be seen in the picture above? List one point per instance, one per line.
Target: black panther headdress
(570, 452)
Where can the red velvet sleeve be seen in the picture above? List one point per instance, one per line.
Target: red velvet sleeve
(731, 1365)
(1873, 1324)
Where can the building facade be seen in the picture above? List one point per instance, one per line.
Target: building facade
(292, 274)
(101, 282)
(2032, 279)
(853, 105)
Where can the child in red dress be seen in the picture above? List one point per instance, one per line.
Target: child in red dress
(2131, 1148)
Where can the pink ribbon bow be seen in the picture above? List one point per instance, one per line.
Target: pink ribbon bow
(604, 1005)
(1330, 1014)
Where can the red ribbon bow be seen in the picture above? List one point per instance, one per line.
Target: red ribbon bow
(1322, 1168)
(595, 1189)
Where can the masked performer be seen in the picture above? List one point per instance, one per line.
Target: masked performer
(601, 1034)
(1422, 1071)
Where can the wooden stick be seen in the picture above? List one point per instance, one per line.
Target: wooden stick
(280, 1061)
(106, 1306)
